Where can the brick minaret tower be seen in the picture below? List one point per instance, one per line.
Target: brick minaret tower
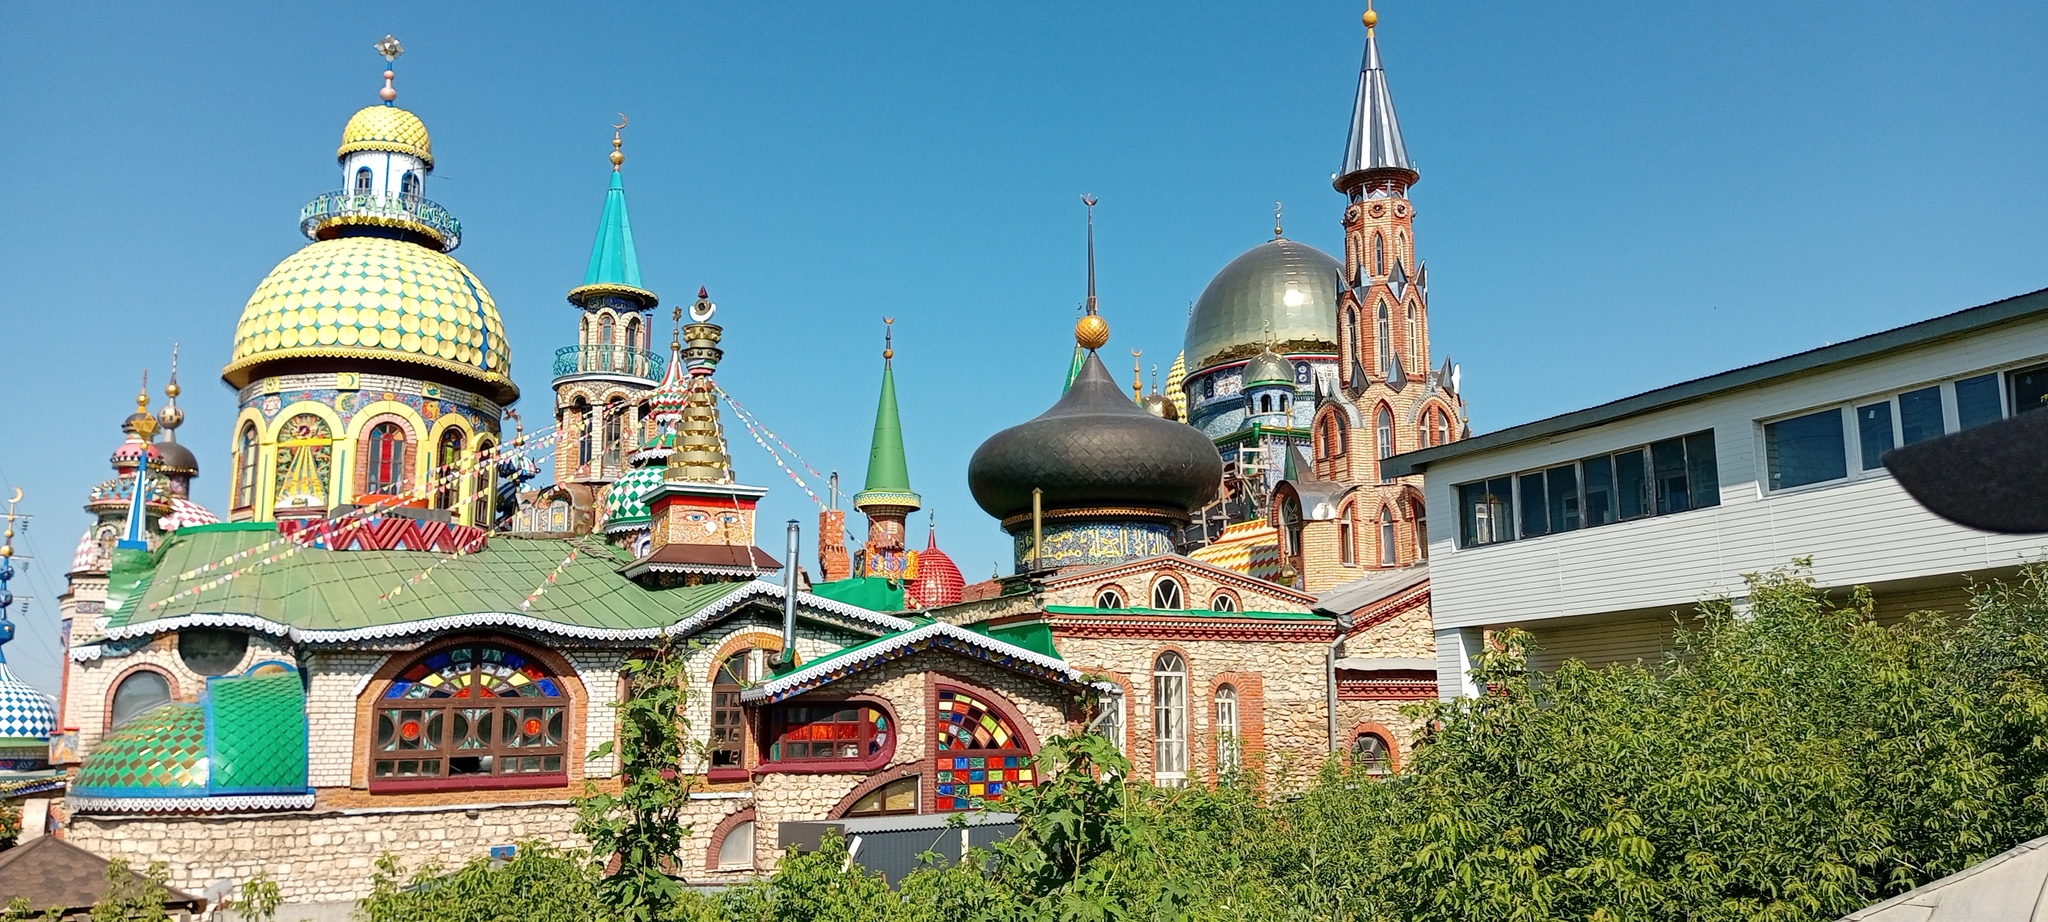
(1389, 399)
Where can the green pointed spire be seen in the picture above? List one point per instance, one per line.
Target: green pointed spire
(1074, 367)
(613, 261)
(888, 481)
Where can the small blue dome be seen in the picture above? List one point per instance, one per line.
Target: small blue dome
(27, 716)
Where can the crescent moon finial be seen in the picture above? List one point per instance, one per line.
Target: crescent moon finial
(16, 497)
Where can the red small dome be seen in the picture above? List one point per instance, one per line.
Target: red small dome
(127, 452)
(938, 581)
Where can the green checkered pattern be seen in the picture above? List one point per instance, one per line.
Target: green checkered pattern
(258, 729)
(161, 753)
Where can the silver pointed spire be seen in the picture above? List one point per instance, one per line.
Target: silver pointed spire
(1375, 142)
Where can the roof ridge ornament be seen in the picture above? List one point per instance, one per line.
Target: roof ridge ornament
(390, 49)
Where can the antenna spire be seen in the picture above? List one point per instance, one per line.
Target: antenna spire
(1092, 332)
(1277, 234)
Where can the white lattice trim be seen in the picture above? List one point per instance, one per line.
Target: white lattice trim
(757, 589)
(882, 650)
(239, 804)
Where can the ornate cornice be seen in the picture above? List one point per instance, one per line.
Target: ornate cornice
(1154, 627)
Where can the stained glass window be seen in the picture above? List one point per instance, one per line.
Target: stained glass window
(471, 712)
(980, 753)
(843, 731)
(386, 456)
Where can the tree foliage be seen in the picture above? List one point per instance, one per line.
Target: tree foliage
(641, 826)
(1790, 760)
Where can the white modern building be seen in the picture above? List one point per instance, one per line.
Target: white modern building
(1601, 529)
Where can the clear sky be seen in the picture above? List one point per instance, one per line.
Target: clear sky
(1614, 196)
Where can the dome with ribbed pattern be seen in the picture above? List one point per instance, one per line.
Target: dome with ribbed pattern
(386, 128)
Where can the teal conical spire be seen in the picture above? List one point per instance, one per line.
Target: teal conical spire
(614, 262)
(888, 481)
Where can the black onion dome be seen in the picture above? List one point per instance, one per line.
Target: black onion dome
(176, 458)
(1096, 448)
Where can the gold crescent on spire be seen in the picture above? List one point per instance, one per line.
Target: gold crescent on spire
(888, 338)
(618, 156)
(16, 497)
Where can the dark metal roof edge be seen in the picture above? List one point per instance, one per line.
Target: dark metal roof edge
(1933, 329)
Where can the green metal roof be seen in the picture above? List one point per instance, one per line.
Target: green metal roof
(1035, 636)
(160, 753)
(1187, 613)
(874, 593)
(346, 594)
(613, 260)
(888, 471)
(256, 733)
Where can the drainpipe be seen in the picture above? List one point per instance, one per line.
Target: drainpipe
(1344, 623)
(789, 571)
(1037, 529)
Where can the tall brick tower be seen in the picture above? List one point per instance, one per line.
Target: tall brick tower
(1344, 518)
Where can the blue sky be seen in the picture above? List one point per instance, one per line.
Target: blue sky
(1614, 196)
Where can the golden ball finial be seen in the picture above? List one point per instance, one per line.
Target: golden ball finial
(1371, 17)
(618, 158)
(1092, 332)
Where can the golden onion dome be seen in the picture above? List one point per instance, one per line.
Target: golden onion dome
(389, 128)
(375, 298)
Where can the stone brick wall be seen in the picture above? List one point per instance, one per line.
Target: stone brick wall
(1407, 634)
(1282, 683)
(1198, 587)
(335, 680)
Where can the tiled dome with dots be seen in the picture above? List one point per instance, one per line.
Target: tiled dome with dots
(373, 297)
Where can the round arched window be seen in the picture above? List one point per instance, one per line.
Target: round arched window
(736, 850)
(1109, 598)
(896, 797)
(141, 692)
(1223, 601)
(212, 651)
(1370, 752)
(1166, 595)
(480, 714)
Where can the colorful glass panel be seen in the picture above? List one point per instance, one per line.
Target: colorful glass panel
(834, 731)
(981, 754)
(444, 718)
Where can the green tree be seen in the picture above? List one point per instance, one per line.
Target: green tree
(641, 826)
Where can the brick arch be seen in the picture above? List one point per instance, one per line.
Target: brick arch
(577, 695)
(1118, 588)
(408, 457)
(1027, 735)
(1385, 733)
(107, 706)
(724, 828)
(740, 641)
(1152, 587)
(881, 779)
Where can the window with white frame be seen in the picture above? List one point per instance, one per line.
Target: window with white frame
(1167, 596)
(1109, 598)
(1228, 749)
(1108, 721)
(1170, 719)
(1223, 601)
(1848, 441)
(1661, 478)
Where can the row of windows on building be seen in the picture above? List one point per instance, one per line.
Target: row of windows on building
(610, 438)
(1167, 595)
(1332, 441)
(1416, 357)
(305, 445)
(1848, 441)
(1660, 478)
(366, 183)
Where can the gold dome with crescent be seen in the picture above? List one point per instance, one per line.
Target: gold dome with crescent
(391, 128)
(375, 298)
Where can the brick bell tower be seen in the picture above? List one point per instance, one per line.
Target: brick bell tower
(1392, 396)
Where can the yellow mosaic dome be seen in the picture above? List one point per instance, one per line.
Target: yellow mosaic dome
(375, 298)
(387, 128)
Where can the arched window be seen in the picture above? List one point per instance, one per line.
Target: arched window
(632, 340)
(448, 461)
(736, 850)
(305, 454)
(245, 468)
(1442, 434)
(1347, 541)
(1108, 721)
(897, 798)
(1283, 403)
(385, 457)
(1390, 551)
(1351, 330)
(558, 515)
(1379, 254)
(1229, 749)
(1109, 598)
(1385, 346)
(1265, 403)
(1223, 601)
(1416, 359)
(483, 483)
(728, 718)
(980, 752)
(1166, 595)
(614, 434)
(1371, 753)
(1383, 428)
(586, 441)
(1170, 718)
(142, 691)
(366, 182)
(409, 185)
(475, 715)
(1421, 531)
(604, 335)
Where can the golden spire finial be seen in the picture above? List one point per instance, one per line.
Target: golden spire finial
(1092, 332)
(1371, 17)
(1277, 234)
(1137, 375)
(7, 538)
(888, 338)
(618, 156)
(675, 337)
(172, 416)
(142, 396)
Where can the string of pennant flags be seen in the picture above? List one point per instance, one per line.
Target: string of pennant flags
(756, 430)
(542, 589)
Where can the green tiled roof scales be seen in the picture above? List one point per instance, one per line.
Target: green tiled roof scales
(613, 260)
(256, 733)
(888, 481)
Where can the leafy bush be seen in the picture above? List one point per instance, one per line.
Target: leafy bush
(1791, 760)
